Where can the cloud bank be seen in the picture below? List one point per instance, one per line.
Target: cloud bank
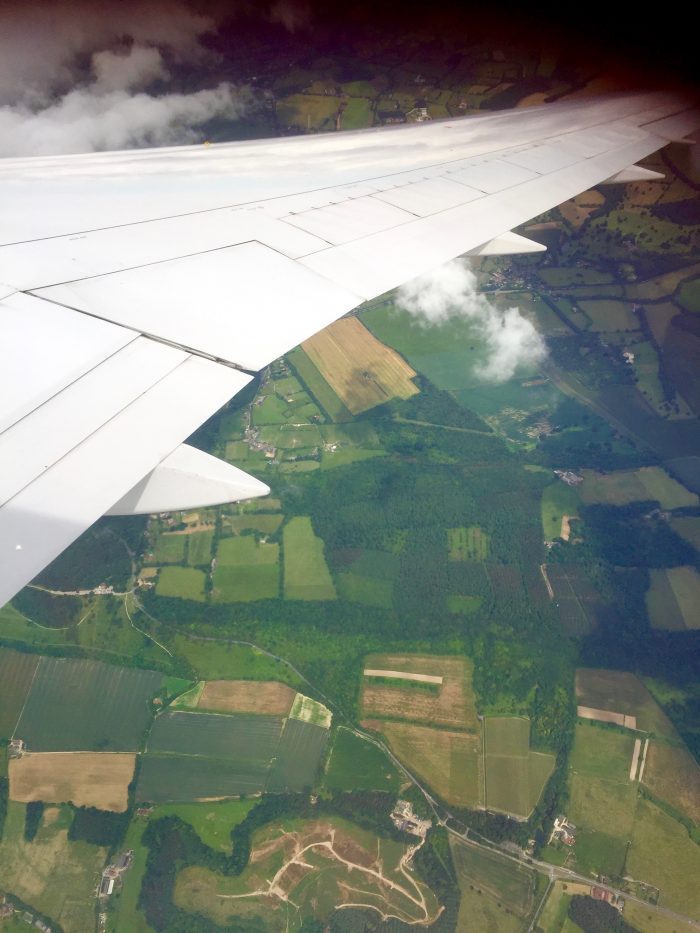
(77, 77)
(511, 340)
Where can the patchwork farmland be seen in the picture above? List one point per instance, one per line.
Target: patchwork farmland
(114, 705)
(17, 672)
(306, 574)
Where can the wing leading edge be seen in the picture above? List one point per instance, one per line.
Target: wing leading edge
(127, 329)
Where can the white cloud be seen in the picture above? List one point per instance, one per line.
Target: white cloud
(510, 339)
(136, 67)
(85, 120)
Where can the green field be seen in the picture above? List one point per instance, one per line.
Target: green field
(356, 764)
(470, 543)
(246, 570)
(673, 598)
(223, 660)
(369, 591)
(464, 605)
(79, 705)
(663, 854)
(169, 549)
(317, 386)
(308, 111)
(357, 115)
(199, 548)
(689, 295)
(265, 523)
(602, 806)
(235, 737)
(610, 315)
(515, 776)
(211, 820)
(624, 486)
(306, 574)
(558, 499)
(297, 757)
(672, 774)
(54, 875)
(166, 778)
(16, 675)
(182, 582)
(602, 752)
(505, 881)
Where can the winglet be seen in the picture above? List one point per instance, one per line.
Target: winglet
(633, 173)
(188, 478)
(507, 244)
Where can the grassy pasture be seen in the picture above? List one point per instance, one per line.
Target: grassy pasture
(645, 917)
(503, 879)
(646, 366)
(181, 582)
(16, 675)
(455, 704)
(663, 854)
(470, 543)
(129, 919)
(222, 660)
(246, 696)
(317, 386)
(306, 574)
(169, 548)
(507, 735)
(558, 500)
(448, 761)
(306, 709)
(357, 115)
(112, 702)
(211, 820)
(369, 591)
(346, 455)
(689, 296)
(356, 764)
(624, 486)
(672, 774)
(297, 757)
(87, 779)
(602, 753)
(622, 692)
(673, 598)
(246, 570)
(609, 315)
(463, 605)
(199, 548)
(54, 875)
(239, 738)
(601, 806)
(265, 523)
(361, 370)
(599, 853)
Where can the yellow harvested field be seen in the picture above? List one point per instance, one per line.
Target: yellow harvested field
(359, 368)
(246, 696)
(453, 704)
(87, 779)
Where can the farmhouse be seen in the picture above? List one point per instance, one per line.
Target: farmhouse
(569, 477)
(563, 831)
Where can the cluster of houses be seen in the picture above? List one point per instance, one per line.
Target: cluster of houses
(114, 872)
(8, 911)
(403, 818)
(569, 477)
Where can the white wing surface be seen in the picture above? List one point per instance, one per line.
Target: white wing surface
(140, 290)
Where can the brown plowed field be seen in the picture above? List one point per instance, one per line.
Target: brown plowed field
(246, 696)
(361, 369)
(87, 779)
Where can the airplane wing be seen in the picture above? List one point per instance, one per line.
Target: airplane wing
(141, 290)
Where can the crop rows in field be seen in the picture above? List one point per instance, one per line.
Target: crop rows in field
(194, 755)
(81, 705)
(16, 675)
(515, 775)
